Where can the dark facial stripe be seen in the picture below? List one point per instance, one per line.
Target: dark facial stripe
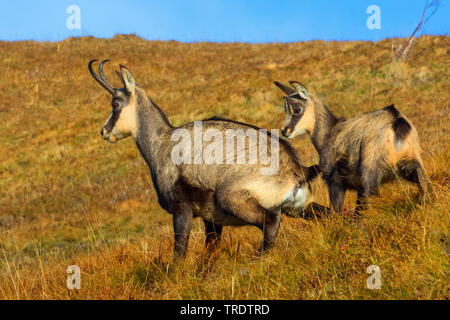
(121, 97)
(287, 107)
(295, 118)
(109, 126)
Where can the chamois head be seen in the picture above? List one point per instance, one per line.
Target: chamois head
(122, 121)
(299, 109)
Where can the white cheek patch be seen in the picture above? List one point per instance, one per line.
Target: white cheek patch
(297, 197)
(126, 125)
(299, 131)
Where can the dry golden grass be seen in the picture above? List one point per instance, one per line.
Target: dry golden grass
(67, 197)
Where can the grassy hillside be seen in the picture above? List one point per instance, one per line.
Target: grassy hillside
(68, 197)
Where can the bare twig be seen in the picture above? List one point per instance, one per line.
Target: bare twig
(404, 49)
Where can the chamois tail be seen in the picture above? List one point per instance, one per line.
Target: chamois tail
(400, 126)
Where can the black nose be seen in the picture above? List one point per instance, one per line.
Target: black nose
(101, 132)
(283, 131)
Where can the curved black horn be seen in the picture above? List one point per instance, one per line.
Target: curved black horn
(102, 79)
(100, 71)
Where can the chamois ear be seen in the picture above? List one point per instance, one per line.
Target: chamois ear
(301, 90)
(286, 89)
(128, 80)
(119, 74)
(312, 172)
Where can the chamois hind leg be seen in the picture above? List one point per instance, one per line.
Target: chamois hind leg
(213, 233)
(424, 181)
(413, 171)
(182, 225)
(242, 205)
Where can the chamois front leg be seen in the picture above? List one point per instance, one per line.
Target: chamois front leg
(361, 203)
(336, 191)
(371, 180)
(182, 225)
(270, 228)
(213, 233)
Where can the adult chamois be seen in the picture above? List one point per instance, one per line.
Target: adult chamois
(359, 153)
(231, 192)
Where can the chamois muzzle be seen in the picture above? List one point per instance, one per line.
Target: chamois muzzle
(102, 78)
(286, 132)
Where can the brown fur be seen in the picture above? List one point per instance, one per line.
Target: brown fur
(362, 152)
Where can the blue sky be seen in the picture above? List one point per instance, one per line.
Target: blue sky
(218, 20)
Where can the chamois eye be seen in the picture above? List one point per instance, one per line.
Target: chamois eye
(297, 110)
(115, 105)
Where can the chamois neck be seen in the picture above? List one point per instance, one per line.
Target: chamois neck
(325, 121)
(154, 130)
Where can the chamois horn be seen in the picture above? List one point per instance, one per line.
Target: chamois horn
(102, 78)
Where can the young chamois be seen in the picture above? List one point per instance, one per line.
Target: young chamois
(359, 153)
(232, 193)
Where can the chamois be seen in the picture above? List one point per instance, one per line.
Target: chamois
(222, 194)
(358, 154)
